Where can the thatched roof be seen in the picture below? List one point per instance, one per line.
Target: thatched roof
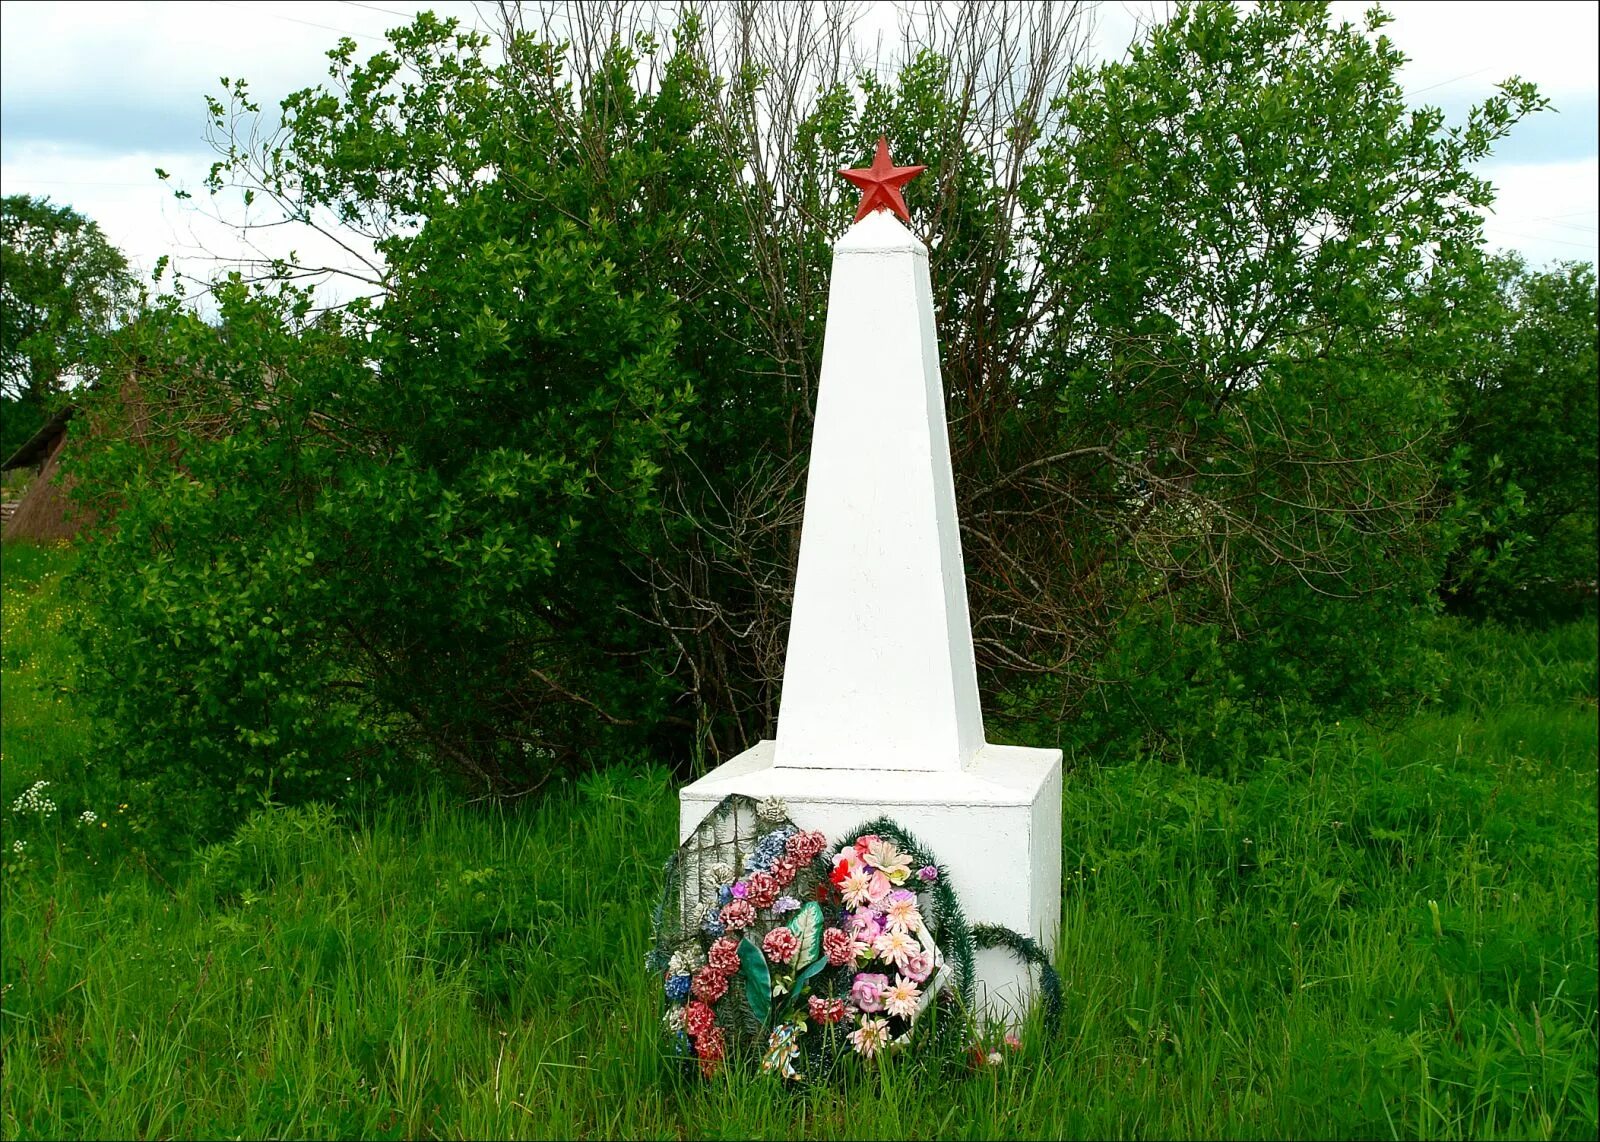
(44, 514)
(38, 447)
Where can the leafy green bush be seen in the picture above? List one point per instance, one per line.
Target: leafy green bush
(1526, 431)
(1246, 423)
(206, 610)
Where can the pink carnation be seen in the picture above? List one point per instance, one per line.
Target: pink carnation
(826, 1010)
(724, 956)
(710, 1046)
(780, 945)
(805, 846)
(737, 914)
(784, 869)
(709, 984)
(698, 1018)
(838, 947)
(764, 889)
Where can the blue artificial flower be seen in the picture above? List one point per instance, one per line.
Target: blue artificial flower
(784, 905)
(678, 987)
(713, 925)
(724, 894)
(682, 1042)
(769, 848)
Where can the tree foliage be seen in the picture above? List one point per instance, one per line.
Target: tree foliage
(538, 497)
(1524, 469)
(1246, 213)
(61, 285)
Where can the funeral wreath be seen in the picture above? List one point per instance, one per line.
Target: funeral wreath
(777, 945)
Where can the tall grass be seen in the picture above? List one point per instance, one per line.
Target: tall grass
(1384, 933)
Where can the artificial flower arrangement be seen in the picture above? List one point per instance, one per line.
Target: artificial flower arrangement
(805, 952)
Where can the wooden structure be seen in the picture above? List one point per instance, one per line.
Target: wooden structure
(43, 514)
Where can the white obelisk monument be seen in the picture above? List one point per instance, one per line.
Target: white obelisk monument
(879, 712)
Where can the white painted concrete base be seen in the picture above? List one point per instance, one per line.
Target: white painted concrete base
(994, 825)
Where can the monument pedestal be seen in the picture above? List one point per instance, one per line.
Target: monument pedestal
(995, 825)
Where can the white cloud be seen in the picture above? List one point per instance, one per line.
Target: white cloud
(1546, 211)
(146, 50)
(97, 95)
(1475, 46)
(141, 216)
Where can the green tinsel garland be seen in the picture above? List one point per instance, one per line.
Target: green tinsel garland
(1027, 949)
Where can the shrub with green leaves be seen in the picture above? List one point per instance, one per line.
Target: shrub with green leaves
(1526, 434)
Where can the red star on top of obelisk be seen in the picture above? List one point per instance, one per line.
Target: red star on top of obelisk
(881, 182)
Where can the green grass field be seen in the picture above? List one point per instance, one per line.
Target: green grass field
(1385, 932)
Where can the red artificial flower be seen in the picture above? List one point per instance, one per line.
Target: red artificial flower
(698, 1018)
(780, 945)
(784, 869)
(805, 846)
(709, 984)
(764, 889)
(724, 956)
(737, 914)
(710, 1047)
(838, 947)
(840, 871)
(826, 1010)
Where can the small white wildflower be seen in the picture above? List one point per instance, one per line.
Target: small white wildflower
(18, 846)
(34, 800)
(995, 1058)
(88, 817)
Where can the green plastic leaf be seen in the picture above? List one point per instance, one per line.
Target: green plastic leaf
(807, 925)
(757, 980)
(805, 975)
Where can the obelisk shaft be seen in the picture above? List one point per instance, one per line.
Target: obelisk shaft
(880, 671)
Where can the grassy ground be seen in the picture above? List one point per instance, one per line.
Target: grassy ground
(1383, 933)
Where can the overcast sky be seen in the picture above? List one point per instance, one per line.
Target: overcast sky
(94, 96)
